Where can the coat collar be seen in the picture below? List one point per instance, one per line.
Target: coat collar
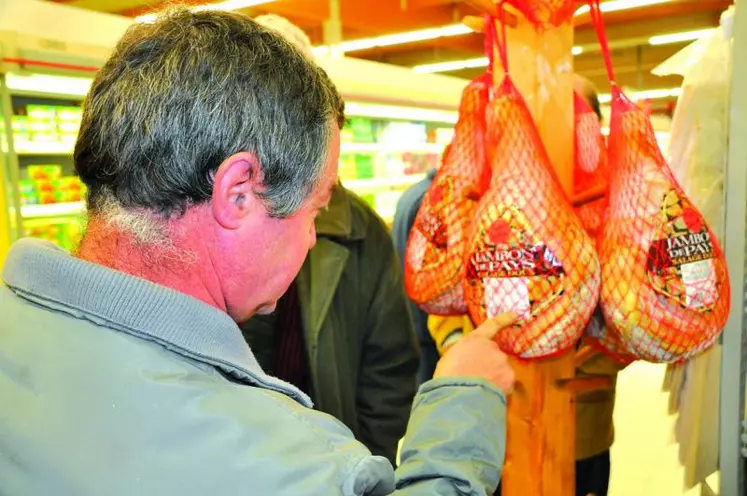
(341, 224)
(338, 221)
(40, 272)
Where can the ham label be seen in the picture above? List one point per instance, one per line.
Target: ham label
(680, 262)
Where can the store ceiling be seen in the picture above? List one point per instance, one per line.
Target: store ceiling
(629, 32)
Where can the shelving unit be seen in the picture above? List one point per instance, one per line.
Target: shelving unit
(381, 157)
(52, 210)
(46, 70)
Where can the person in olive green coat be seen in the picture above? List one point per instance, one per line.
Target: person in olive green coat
(343, 332)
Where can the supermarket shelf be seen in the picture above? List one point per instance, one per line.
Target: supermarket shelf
(52, 210)
(39, 149)
(378, 183)
(392, 148)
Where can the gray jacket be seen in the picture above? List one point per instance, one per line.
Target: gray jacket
(111, 385)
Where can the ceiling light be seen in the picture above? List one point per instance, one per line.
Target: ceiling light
(454, 30)
(458, 65)
(395, 39)
(397, 112)
(679, 37)
(646, 95)
(226, 5)
(43, 83)
(616, 5)
(454, 65)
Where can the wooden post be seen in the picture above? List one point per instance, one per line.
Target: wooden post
(540, 452)
(541, 448)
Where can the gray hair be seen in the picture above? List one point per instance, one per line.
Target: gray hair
(179, 96)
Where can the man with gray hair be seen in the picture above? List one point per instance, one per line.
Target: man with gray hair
(207, 141)
(342, 332)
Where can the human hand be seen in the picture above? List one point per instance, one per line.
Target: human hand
(478, 355)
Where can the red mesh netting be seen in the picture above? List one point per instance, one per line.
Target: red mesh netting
(527, 252)
(434, 257)
(590, 178)
(665, 286)
(604, 338)
(590, 173)
(544, 13)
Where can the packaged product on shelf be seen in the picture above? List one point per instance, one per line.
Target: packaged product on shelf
(42, 123)
(65, 233)
(418, 163)
(362, 130)
(69, 114)
(407, 133)
(67, 189)
(27, 192)
(21, 132)
(46, 232)
(41, 113)
(44, 172)
(50, 186)
(346, 135)
(394, 165)
(364, 166)
(68, 122)
(347, 168)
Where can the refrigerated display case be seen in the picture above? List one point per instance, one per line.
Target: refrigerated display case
(380, 158)
(45, 71)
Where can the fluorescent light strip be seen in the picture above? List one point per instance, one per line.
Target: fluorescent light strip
(458, 65)
(617, 5)
(43, 83)
(454, 65)
(452, 30)
(646, 95)
(397, 112)
(665, 39)
(226, 5)
(394, 39)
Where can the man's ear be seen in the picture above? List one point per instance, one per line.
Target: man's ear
(234, 184)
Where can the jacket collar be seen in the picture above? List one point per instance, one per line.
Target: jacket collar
(337, 220)
(40, 272)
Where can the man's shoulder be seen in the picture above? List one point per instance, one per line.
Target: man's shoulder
(110, 389)
(365, 219)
